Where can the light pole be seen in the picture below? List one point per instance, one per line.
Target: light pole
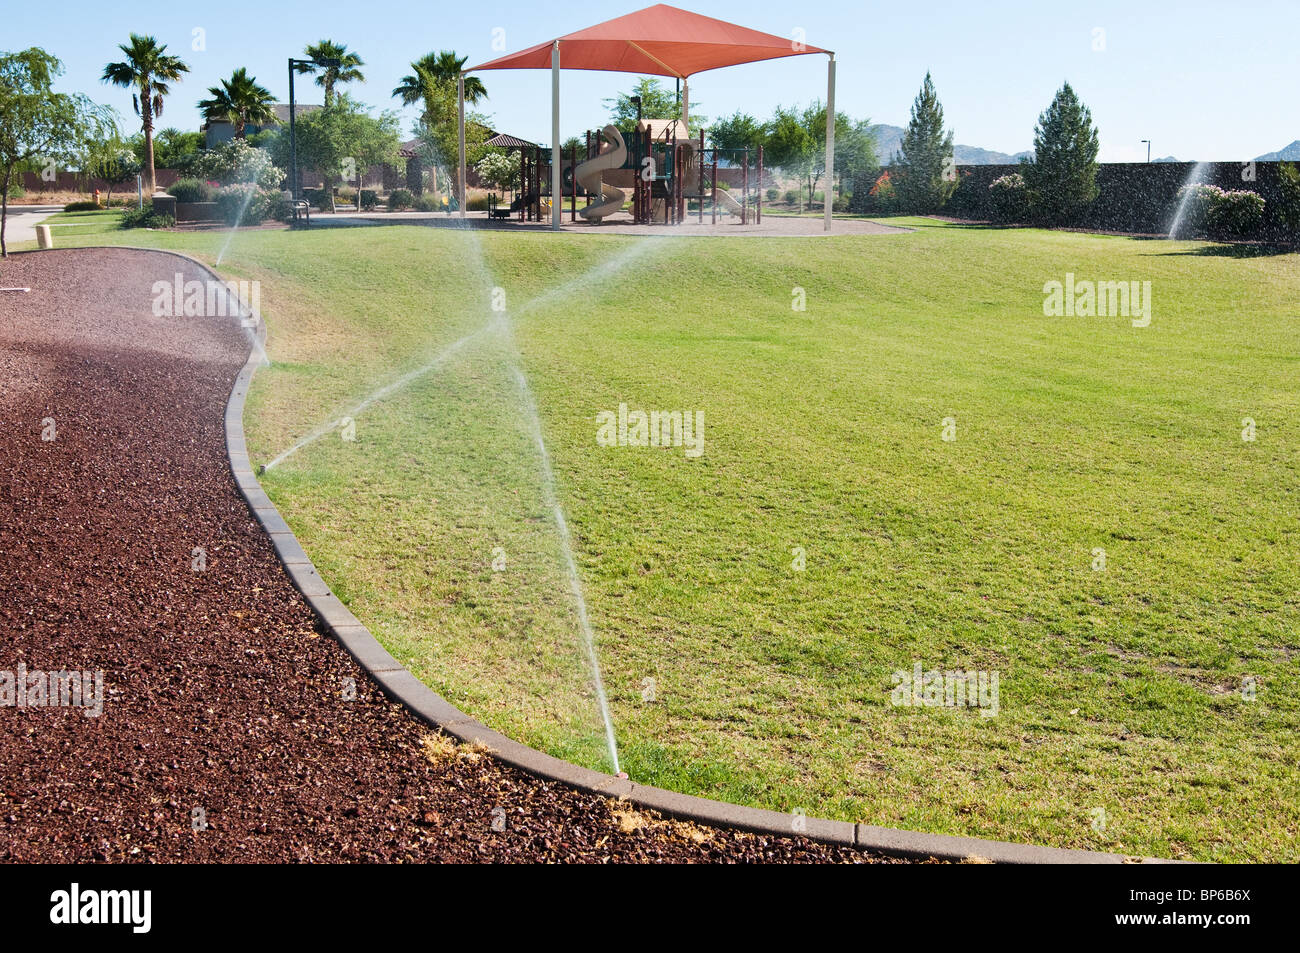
(303, 66)
(1148, 142)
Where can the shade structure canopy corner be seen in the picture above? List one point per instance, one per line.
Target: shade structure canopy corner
(661, 40)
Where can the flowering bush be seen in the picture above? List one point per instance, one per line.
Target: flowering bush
(1238, 212)
(1009, 198)
(237, 161)
(1210, 208)
(882, 195)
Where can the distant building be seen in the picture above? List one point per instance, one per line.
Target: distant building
(220, 130)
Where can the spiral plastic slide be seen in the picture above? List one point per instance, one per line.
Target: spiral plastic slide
(589, 175)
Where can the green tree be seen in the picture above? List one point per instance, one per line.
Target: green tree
(172, 148)
(657, 102)
(1061, 181)
(239, 101)
(332, 63)
(796, 143)
(148, 70)
(431, 76)
(111, 159)
(925, 174)
(855, 159)
(39, 125)
(737, 132)
(340, 140)
(432, 85)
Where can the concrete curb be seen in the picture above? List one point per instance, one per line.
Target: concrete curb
(436, 711)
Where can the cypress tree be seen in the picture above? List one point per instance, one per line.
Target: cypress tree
(924, 173)
(1061, 181)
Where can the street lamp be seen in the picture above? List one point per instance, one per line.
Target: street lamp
(1148, 142)
(302, 66)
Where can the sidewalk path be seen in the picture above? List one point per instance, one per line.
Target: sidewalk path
(225, 734)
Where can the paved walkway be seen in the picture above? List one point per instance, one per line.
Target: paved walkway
(21, 221)
(229, 730)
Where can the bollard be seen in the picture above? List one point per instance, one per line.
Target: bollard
(44, 237)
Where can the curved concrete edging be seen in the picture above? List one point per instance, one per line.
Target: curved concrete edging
(436, 711)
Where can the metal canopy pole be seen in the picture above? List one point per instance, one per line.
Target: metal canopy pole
(830, 137)
(460, 137)
(293, 140)
(556, 194)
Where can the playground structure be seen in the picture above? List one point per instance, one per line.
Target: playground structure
(658, 41)
(664, 172)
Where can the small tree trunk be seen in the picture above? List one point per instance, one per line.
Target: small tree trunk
(4, 210)
(146, 114)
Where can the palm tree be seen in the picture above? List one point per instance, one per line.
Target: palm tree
(431, 71)
(147, 69)
(239, 101)
(335, 65)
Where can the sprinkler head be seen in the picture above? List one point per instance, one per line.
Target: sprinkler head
(261, 469)
(622, 775)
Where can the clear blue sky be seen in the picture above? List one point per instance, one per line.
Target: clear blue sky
(1213, 81)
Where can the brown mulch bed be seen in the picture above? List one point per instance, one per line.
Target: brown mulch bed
(222, 693)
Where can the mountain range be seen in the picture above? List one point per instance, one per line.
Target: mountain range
(1289, 153)
(888, 139)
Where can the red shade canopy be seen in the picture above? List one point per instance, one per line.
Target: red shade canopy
(659, 40)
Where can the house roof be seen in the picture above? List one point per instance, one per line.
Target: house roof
(413, 147)
(281, 111)
(505, 140)
(660, 41)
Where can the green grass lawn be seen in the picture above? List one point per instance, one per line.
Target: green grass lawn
(1122, 722)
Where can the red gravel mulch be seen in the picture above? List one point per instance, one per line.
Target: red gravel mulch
(224, 706)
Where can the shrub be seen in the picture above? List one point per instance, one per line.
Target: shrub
(478, 203)
(773, 194)
(346, 193)
(840, 203)
(80, 207)
(399, 200)
(1288, 210)
(882, 196)
(1009, 198)
(1209, 208)
(246, 204)
(1196, 201)
(791, 197)
(146, 217)
(236, 161)
(192, 190)
(428, 202)
(369, 198)
(1237, 213)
